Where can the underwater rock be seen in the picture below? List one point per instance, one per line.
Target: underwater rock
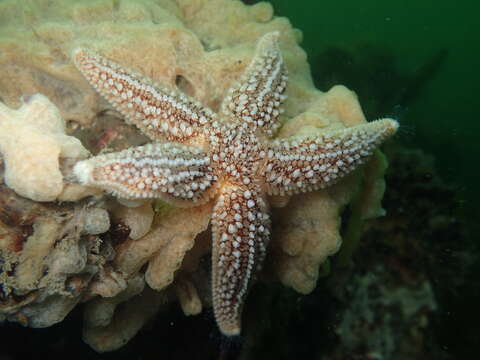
(47, 258)
(194, 47)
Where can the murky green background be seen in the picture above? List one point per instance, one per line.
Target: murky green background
(445, 118)
(436, 42)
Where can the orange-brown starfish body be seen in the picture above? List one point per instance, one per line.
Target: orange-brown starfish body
(229, 157)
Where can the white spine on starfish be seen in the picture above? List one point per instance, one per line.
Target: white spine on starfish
(257, 97)
(160, 113)
(172, 172)
(241, 229)
(309, 163)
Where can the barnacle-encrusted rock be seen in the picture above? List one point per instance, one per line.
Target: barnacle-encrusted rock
(47, 258)
(201, 47)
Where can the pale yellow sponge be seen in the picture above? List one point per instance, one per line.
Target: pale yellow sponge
(32, 141)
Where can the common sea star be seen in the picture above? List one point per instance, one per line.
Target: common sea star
(227, 156)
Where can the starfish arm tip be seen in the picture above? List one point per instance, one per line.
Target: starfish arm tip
(78, 56)
(83, 171)
(240, 234)
(391, 125)
(257, 97)
(304, 164)
(151, 171)
(271, 36)
(77, 52)
(232, 328)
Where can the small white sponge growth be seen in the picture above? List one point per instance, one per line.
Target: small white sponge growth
(32, 139)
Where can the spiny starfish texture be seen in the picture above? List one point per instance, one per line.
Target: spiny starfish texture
(227, 156)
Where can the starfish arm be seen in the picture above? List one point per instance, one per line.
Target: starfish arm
(240, 233)
(310, 163)
(177, 174)
(161, 114)
(257, 97)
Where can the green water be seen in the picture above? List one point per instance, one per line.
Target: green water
(445, 119)
(442, 119)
